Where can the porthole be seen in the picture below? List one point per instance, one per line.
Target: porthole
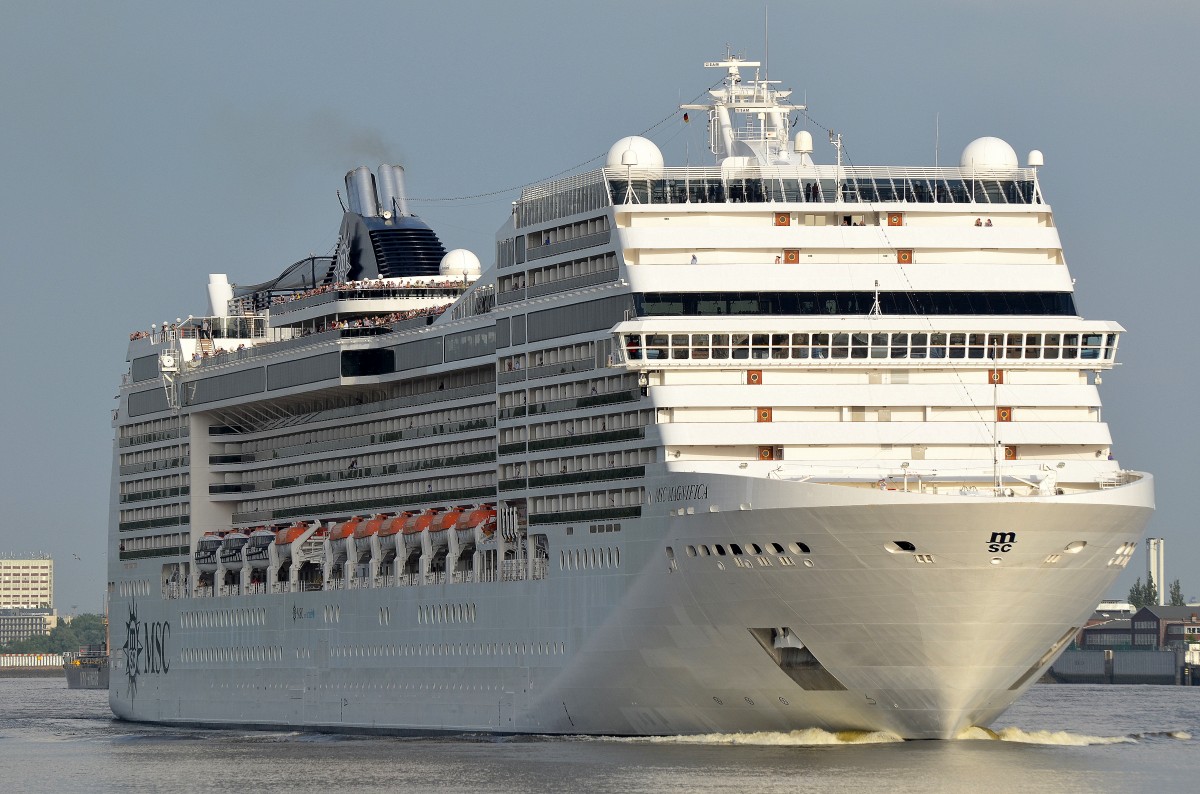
(703, 549)
(754, 548)
(1075, 546)
(808, 563)
(899, 547)
(798, 548)
(776, 548)
(691, 551)
(719, 549)
(996, 560)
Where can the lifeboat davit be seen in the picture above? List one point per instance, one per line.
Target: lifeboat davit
(412, 532)
(447, 520)
(284, 539)
(342, 536)
(206, 552)
(364, 531)
(392, 527)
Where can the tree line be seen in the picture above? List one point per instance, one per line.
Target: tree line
(82, 630)
(1146, 595)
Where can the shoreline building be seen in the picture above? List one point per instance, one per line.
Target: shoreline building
(26, 598)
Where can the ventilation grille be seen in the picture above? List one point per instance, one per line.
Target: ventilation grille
(407, 252)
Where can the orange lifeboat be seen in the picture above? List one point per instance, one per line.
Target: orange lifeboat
(345, 529)
(368, 528)
(422, 522)
(396, 524)
(447, 520)
(484, 514)
(286, 537)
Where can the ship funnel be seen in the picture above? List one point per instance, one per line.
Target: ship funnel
(360, 191)
(391, 189)
(220, 293)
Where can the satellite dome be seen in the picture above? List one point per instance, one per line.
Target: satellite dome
(634, 151)
(458, 262)
(988, 153)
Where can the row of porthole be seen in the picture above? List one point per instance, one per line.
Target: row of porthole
(573, 560)
(1124, 553)
(333, 613)
(140, 587)
(718, 550)
(749, 701)
(259, 653)
(446, 613)
(219, 618)
(453, 649)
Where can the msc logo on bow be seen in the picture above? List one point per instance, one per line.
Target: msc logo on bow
(145, 647)
(1002, 541)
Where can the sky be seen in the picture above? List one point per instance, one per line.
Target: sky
(148, 144)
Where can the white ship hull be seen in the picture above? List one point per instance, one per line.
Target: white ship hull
(763, 445)
(922, 649)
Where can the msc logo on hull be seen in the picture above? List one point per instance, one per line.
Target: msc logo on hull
(1002, 541)
(145, 648)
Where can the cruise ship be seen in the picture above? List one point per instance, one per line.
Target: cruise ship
(760, 445)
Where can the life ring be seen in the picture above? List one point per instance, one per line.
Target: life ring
(764, 414)
(904, 256)
(895, 219)
(791, 256)
(754, 377)
(783, 219)
(1004, 414)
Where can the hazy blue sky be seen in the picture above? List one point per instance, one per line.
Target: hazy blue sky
(147, 144)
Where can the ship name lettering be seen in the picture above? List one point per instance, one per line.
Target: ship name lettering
(681, 493)
(153, 656)
(1002, 541)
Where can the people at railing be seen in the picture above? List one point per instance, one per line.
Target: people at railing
(369, 284)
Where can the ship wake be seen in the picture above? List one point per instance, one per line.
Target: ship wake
(808, 737)
(1064, 738)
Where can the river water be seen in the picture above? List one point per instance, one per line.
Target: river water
(1058, 738)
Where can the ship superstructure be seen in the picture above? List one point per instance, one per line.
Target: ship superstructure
(761, 445)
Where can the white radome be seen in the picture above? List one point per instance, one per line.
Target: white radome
(458, 262)
(989, 152)
(641, 151)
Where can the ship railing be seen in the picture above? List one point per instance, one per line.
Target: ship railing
(256, 588)
(174, 590)
(202, 591)
(822, 184)
(408, 579)
(1117, 479)
(369, 293)
(386, 580)
(513, 570)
